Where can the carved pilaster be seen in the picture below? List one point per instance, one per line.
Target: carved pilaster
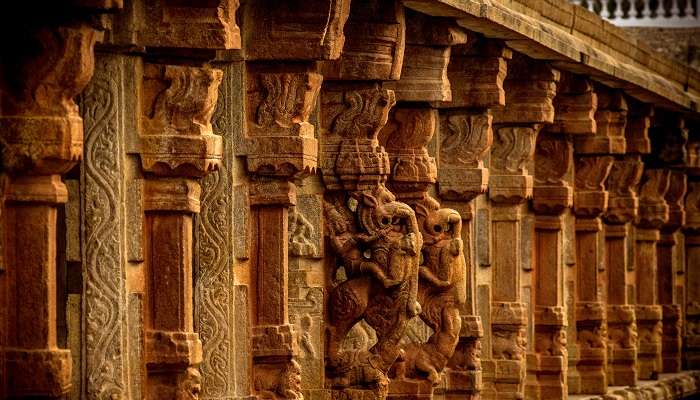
(41, 137)
(588, 361)
(691, 338)
(176, 147)
(376, 239)
(653, 213)
(622, 327)
(668, 269)
(529, 90)
(280, 149)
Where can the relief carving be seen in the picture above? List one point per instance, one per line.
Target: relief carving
(441, 272)
(512, 148)
(465, 138)
(177, 106)
(280, 140)
(622, 182)
(591, 199)
(552, 194)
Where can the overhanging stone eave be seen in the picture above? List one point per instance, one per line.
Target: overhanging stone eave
(545, 41)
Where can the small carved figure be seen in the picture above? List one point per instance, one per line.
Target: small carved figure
(189, 385)
(285, 383)
(591, 338)
(508, 344)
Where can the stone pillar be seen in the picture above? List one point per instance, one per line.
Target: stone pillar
(42, 138)
(552, 195)
(529, 92)
(375, 238)
(593, 163)
(668, 268)
(176, 147)
(653, 214)
(691, 230)
(622, 327)
(476, 72)
(590, 201)
(442, 286)
(280, 148)
(552, 198)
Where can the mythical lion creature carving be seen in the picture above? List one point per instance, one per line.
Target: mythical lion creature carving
(440, 292)
(377, 241)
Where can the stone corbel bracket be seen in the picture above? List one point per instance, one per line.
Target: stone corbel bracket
(375, 38)
(280, 140)
(176, 137)
(158, 23)
(530, 90)
(653, 209)
(591, 198)
(611, 119)
(623, 203)
(476, 74)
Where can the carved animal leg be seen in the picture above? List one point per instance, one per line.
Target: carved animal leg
(347, 305)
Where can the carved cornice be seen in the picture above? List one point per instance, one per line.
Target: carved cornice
(176, 137)
(590, 198)
(552, 194)
(576, 104)
(611, 119)
(374, 43)
(426, 56)
(476, 72)
(653, 210)
(41, 131)
(465, 138)
(622, 182)
(295, 30)
(157, 23)
(280, 140)
(351, 119)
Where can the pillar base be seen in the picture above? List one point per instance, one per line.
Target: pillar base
(37, 373)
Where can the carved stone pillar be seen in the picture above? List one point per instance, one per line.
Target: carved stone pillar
(552, 196)
(622, 327)
(442, 281)
(476, 72)
(41, 137)
(653, 214)
(691, 339)
(668, 268)
(281, 148)
(590, 202)
(376, 239)
(529, 91)
(176, 147)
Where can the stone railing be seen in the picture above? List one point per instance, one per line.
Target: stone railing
(646, 13)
